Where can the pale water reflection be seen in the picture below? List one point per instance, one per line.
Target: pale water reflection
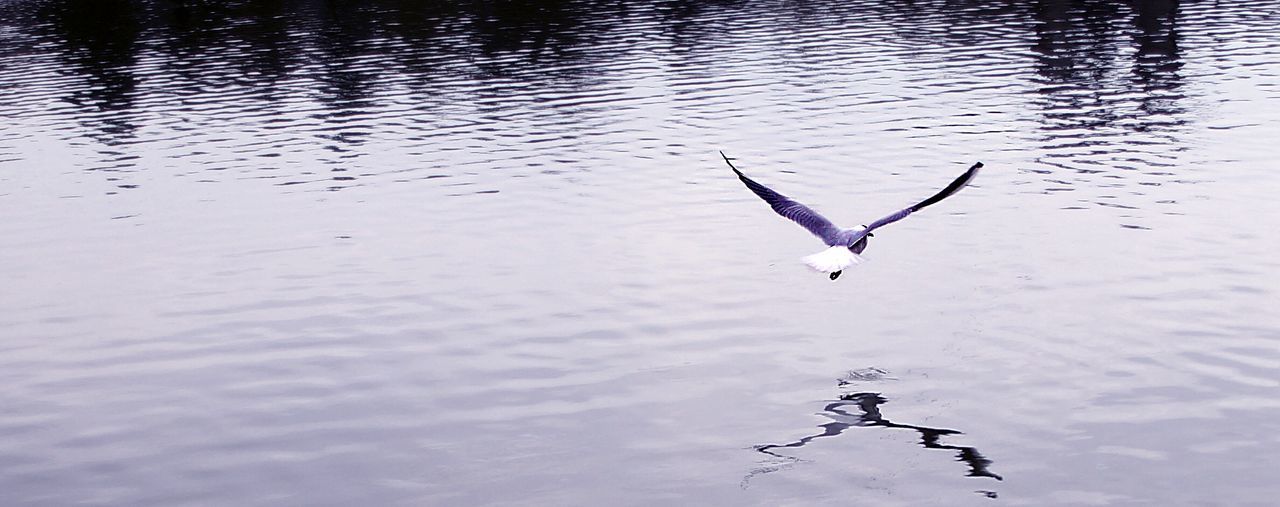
(313, 252)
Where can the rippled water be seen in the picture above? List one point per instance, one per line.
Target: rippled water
(332, 253)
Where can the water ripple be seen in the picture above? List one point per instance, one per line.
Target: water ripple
(439, 253)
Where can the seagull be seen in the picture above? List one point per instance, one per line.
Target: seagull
(845, 244)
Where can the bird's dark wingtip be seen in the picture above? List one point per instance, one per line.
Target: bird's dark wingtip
(976, 166)
(727, 161)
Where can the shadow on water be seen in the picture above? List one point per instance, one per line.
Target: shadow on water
(862, 409)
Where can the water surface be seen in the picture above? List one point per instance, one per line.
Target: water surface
(404, 253)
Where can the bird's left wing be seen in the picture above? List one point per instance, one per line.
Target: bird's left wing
(954, 187)
(796, 212)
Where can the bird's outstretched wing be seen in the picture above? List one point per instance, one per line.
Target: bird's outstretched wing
(954, 187)
(796, 212)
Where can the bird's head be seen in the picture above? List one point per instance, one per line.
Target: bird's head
(861, 244)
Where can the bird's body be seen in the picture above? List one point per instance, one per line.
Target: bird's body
(833, 260)
(844, 244)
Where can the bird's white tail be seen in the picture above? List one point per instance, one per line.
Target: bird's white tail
(833, 259)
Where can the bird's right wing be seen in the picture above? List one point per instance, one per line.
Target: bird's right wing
(954, 187)
(796, 212)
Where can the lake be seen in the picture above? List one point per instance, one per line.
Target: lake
(319, 252)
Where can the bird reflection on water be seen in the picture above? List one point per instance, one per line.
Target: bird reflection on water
(868, 408)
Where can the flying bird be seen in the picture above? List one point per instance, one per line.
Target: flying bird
(845, 244)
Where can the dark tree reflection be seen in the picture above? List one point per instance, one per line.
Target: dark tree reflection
(99, 41)
(1082, 47)
(1077, 45)
(1158, 61)
(250, 37)
(350, 48)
